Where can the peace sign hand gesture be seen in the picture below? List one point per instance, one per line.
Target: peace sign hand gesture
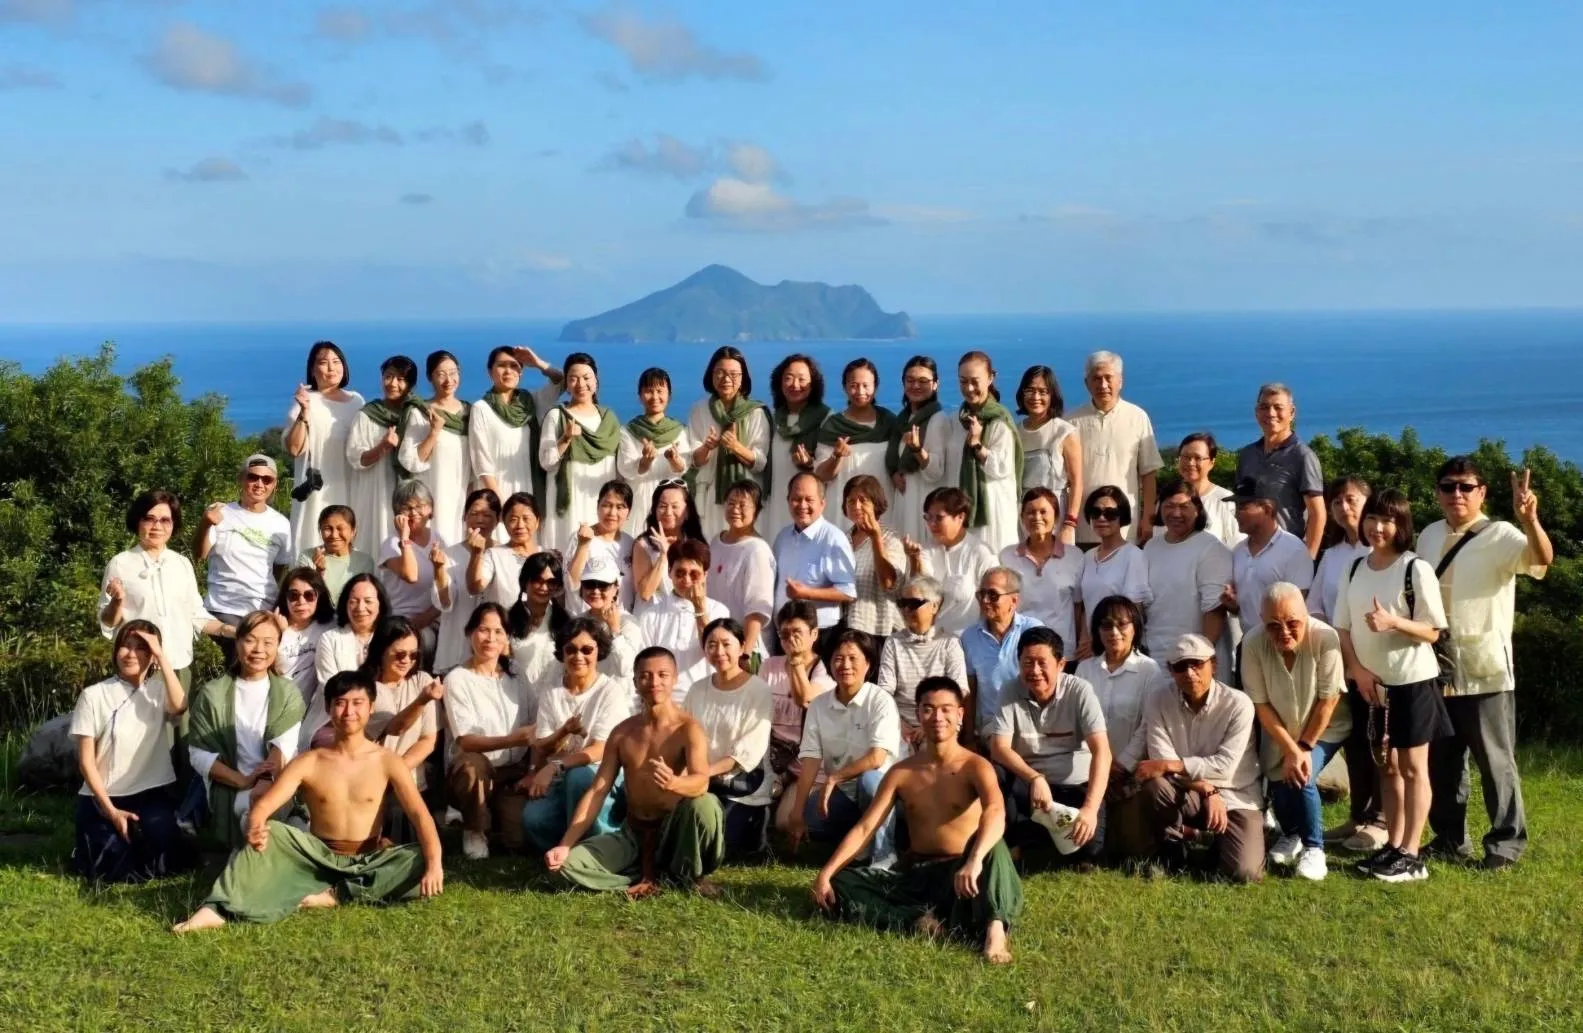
(1524, 501)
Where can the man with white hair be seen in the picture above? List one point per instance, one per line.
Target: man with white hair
(990, 646)
(919, 649)
(1285, 469)
(1118, 446)
(1292, 671)
(1202, 774)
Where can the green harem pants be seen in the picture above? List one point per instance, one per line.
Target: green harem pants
(692, 843)
(894, 899)
(267, 885)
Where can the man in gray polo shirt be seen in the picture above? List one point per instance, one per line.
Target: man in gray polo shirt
(1049, 746)
(1284, 469)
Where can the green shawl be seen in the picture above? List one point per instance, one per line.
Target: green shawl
(971, 479)
(840, 425)
(897, 458)
(211, 726)
(517, 412)
(388, 416)
(589, 447)
(806, 432)
(663, 432)
(728, 469)
(455, 422)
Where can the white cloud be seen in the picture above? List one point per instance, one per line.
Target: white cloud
(752, 163)
(664, 48)
(209, 170)
(188, 58)
(924, 213)
(21, 77)
(737, 204)
(461, 27)
(668, 157)
(328, 131)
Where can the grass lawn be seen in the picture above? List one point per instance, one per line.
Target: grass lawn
(503, 949)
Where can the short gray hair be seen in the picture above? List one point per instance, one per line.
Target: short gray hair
(1281, 592)
(925, 586)
(1101, 358)
(1275, 387)
(1013, 578)
(410, 490)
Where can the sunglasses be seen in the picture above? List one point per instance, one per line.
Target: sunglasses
(1458, 487)
(595, 586)
(909, 605)
(260, 478)
(1114, 625)
(673, 482)
(582, 650)
(306, 595)
(400, 655)
(549, 582)
(1183, 666)
(989, 595)
(1104, 513)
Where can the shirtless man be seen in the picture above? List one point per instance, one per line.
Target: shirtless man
(958, 879)
(344, 784)
(674, 830)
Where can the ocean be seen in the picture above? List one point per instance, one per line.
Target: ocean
(1455, 377)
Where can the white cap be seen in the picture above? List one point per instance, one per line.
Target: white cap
(1190, 647)
(600, 567)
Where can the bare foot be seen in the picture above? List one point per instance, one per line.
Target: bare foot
(203, 918)
(995, 950)
(708, 890)
(323, 898)
(642, 890)
(928, 926)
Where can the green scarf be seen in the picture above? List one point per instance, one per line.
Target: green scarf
(388, 416)
(971, 479)
(806, 432)
(839, 425)
(728, 469)
(663, 432)
(517, 412)
(211, 726)
(589, 447)
(455, 422)
(897, 458)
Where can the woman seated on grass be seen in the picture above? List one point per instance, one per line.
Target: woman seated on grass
(404, 717)
(126, 809)
(734, 707)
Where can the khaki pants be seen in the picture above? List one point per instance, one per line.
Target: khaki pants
(487, 796)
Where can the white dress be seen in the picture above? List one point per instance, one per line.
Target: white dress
(451, 646)
(371, 486)
(448, 473)
(1000, 490)
(774, 514)
(628, 454)
(329, 423)
(502, 452)
(742, 579)
(906, 512)
(699, 423)
(1044, 461)
(583, 483)
(865, 459)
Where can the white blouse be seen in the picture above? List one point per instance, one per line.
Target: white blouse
(447, 473)
(699, 423)
(329, 424)
(629, 453)
(906, 510)
(583, 479)
(1123, 572)
(1001, 492)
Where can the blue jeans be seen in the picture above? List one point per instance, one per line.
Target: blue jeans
(544, 820)
(1298, 809)
(844, 814)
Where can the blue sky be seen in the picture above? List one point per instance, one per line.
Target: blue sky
(214, 160)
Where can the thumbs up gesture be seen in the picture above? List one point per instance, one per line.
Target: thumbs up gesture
(1379, 619)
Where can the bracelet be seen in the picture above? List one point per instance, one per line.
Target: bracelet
(1213, 791)
(1070, 520)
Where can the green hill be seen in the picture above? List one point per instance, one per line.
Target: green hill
(720, 304)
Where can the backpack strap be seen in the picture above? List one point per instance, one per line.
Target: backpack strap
(1445, 561)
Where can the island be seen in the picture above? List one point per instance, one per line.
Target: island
(717, 303)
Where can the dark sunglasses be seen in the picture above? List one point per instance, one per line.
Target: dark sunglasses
(582, 650)
(305, 595)
(1458, 487)
(595, 586)
(989, 595)
(1104, 513)
(1183, 666)
(548, 582)
(398, 655)
(909, 605)
(1114, 625)
(260, 478)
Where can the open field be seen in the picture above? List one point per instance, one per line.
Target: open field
(504, 949)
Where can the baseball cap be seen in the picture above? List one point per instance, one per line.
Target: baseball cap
(259, 459)
(601, 569)
(1190, 647)
(1247, 490)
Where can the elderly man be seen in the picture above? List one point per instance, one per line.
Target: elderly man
(1118, 445)
(1202, 774)
(958, 878)
(1268, 554)
(813, 558)
(1049, 742)
(990, 646)
(1478, 560)
(1285, 469)
(673, 831)
(917, 651)
(1292, 671)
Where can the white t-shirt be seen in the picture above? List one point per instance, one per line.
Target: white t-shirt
(244, 549)
(959, 569)
(409, 598)
(737, 725)
(489, 705)
(1393, 657)
(252, 714)
(1123, 572)
(603, 705)
(1050, 593)
(1186, 580)
(1333, 562)
(131, 731)
(1118, 449)
(618, 552)
(1283, 558)
(1480, 595)
(668, 621)
(298, 656)
(742, 579)
(835, 733)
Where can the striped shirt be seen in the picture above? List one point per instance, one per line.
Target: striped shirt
(908, 658)
(875, 610)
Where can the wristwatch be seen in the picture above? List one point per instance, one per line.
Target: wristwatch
(558, 764)
(1305, 746)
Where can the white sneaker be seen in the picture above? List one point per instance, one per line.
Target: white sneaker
(1271, 822)
(1285, 851)
(475, 846)
(1311, 865)
(452, 816)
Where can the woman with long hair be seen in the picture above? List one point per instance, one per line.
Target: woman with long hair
(344, 647)
(1051, 450)
(537, 616)
(797, 396)
(434, 445)
(308, 612)
(654, 445)
(317, 425)
(404, 718)
(733, 434)
(984, 454)
(577, 451)
(673, 517)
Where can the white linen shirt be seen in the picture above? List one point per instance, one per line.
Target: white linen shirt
(1118, 449)
(835, 734)
(164, 591)
(132, 734)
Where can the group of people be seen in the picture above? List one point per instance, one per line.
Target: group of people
(1009, 642)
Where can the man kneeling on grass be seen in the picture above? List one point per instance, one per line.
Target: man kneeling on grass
(958, 878)
(344, 784)
(674, 829)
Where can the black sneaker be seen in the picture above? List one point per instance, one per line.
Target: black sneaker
(1496, 863)
(1383, 855)
(1401, 868)
(1441, 850)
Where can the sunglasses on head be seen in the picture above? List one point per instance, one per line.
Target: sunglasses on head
(260, 478)
(673, 482)
(909, 605)
(1188, 664)
(1458, 487)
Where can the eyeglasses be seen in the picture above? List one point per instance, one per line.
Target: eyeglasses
(1458, 487)
(1104, 513)
(1188, 457)
(935, 516)
(159, 521)
(989, 595)
(1114, 625)
(1189, 664)
(726, 374)
(306, 595)
(260, 478)
(910, 605)
(582, 650)
(402, 655)
(1293, 625)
